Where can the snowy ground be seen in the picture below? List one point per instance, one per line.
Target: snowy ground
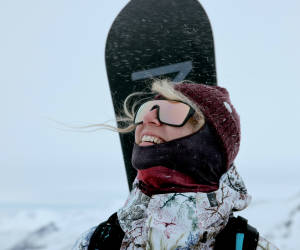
(50, 228)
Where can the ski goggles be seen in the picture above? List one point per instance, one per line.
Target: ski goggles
(169, 112)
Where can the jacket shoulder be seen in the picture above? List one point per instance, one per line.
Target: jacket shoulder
(264, 244)
(107, 235)
(84, 240)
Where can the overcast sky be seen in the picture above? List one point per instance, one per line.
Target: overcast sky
(52, 66)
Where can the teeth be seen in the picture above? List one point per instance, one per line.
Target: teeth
(149, 138)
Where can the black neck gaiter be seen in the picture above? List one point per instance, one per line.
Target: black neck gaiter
(198, 155)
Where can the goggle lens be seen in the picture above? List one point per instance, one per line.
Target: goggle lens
(172, 113)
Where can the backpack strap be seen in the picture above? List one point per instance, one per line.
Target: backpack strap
(237, 235)
(107, 235)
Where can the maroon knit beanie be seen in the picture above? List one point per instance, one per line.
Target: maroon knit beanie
(214, 102)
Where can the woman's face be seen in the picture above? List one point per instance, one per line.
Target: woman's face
(151, 131)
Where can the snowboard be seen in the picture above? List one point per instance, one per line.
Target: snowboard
(157, 39)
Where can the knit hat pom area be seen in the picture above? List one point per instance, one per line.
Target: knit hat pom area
(215, 104)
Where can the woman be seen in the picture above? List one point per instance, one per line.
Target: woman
(187, 186)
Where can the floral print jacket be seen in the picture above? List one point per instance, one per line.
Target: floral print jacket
(179, 221)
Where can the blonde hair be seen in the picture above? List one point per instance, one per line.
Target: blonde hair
(163, 87)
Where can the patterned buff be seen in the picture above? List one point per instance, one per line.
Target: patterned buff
(181, 220)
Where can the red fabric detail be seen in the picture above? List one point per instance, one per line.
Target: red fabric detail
(160, 180)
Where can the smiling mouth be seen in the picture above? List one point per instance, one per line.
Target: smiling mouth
(148, 140)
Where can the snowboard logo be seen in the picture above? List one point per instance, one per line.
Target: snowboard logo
(183, 70)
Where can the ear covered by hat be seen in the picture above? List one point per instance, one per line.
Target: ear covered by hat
(215, 104)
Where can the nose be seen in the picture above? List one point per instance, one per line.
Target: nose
(151, 117)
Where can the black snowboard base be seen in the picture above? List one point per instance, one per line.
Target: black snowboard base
(157, 39)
